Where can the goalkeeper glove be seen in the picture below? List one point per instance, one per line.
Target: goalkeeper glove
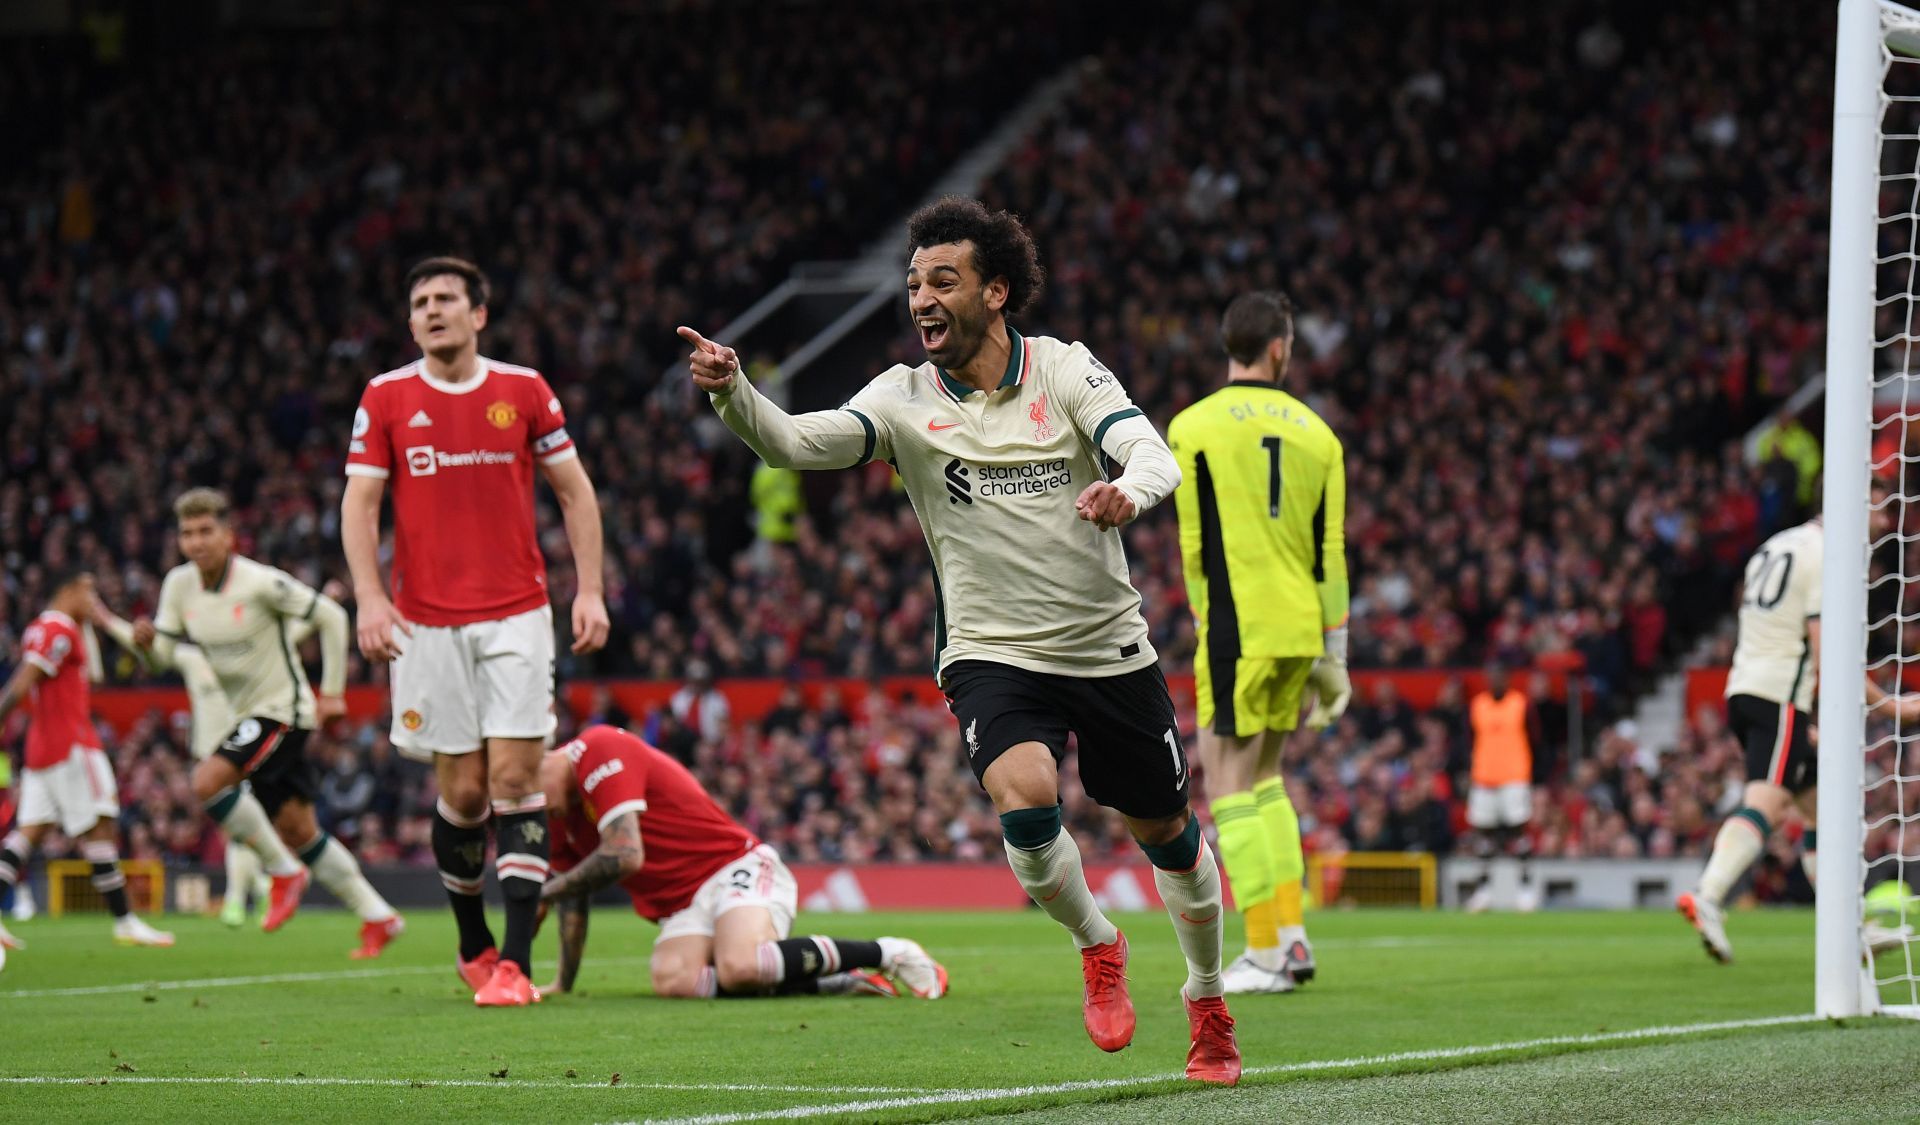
(1328, 682)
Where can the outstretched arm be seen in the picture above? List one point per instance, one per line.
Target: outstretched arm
(820, 439)
(121, 630)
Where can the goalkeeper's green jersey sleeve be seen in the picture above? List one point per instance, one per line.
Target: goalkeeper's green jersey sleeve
(1263, 507)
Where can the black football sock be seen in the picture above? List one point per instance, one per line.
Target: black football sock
(520, 827)
(13, 858)
(797, 964)
(104, 857)
(460, 851)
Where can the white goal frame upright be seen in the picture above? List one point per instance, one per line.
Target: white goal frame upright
(1844, 982)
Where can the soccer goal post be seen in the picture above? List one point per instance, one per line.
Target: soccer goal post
(1869, 768)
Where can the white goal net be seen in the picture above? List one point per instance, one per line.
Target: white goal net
(1870, 762)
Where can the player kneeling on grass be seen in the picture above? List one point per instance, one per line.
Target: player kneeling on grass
(622, 811)
(69, 781)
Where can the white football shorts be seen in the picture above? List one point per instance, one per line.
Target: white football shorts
(73, 794)
(758, 878)
(456, 686)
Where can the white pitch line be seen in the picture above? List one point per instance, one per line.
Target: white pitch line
(496, 1083)
(964, 1097)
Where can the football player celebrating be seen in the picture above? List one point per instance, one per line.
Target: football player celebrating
(1001, 441)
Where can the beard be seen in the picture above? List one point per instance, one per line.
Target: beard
(966, 335)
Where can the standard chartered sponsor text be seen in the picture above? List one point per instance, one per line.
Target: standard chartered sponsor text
(1027, 479)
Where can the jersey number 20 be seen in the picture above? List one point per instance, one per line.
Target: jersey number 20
(1767, 575)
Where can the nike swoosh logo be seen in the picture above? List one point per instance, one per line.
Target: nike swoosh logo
(937, 427)
(1198, 921)
(1056, 890)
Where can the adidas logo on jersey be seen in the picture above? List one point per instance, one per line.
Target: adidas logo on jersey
(419, 421)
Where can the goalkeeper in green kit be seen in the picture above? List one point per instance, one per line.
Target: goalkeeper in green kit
(1262, 503)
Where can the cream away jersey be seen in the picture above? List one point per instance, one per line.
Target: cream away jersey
(1772, 659)
(213, 720)
(245, 625)
(993, 476)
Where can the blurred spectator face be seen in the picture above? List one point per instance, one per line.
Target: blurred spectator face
(1497, 679)
(952, 307)
(442, 319)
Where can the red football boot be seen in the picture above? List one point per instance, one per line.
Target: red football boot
(478, 971)
(284, 899)
(1108, 1008)
(376, 936)
(509, 988)
(1214, 1056)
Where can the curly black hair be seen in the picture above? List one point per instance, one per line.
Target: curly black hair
(1001, 245)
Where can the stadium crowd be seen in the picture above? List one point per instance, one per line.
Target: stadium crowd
(1548, 268)
(1539, 397)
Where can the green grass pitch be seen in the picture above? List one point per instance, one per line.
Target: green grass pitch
(1415, 1017)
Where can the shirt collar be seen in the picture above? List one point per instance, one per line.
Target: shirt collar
(1015, 374)
(465, 387)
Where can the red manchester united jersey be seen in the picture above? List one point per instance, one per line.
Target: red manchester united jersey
(685, 835)
(62, 701)
(459, 458)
